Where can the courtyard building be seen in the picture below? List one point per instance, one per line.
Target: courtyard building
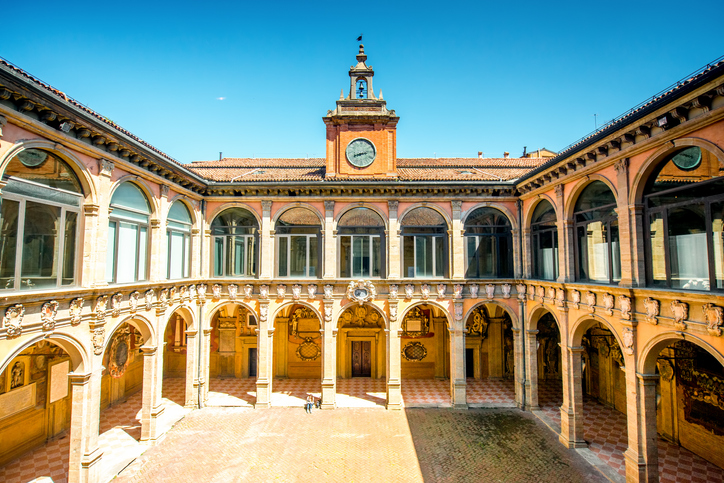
(557, 283)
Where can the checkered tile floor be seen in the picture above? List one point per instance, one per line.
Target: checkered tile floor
(360, 392)
(174, 389)
(426, 392)
(491, 392)
(232, 392)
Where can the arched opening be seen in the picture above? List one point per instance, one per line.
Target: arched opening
(361, 89)
(489, 356)
(35, 413)
(544, 241)
(361, 234)
(235, 237)
(179, 354)
(299, 244)
(361, 357)
(39, 222)
(685, 221)
(297, 356)
(488, 244)
(548, 367)
(127, 251)
(233, 356)
(424, 244)
(425, 363)
(178, 242)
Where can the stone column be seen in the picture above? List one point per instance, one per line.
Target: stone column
(394, 363)
(439, 327)
(647, 468)
(458, 384)
(204, 377)
(393, 242)
(517, 256)
(150, 408)
(624, 224)
(457, 242)
(330, 242)
(85, 454)
(266, 271)
(158, 264)
(264, 352)
(527, 255)
(531, 365)
(329, 358)
(96, 246)
(572, 408)
(563, 246)
(192, 381)
(519, 369)
(568, 237)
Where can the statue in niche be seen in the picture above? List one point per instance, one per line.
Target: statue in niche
(17, 375)
(551, 357)
(509, 356)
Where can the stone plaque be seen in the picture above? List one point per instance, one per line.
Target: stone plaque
(17, 400)
(59, 381)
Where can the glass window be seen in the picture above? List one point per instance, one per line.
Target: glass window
(488, 244)
(297, 232)
(683, 201)
(424, 244)
(234, 235)
(544, 242)
(361, 232)
(127, 248)
(596, 224)
(39, 222)
(178, 241)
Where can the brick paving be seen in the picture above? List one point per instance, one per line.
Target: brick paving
(415, 445)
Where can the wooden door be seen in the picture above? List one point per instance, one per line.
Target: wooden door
(361, 358)
(252, 362)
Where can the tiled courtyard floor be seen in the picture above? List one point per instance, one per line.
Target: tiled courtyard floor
(415, 445)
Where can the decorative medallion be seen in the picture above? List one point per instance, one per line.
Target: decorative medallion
(312, 291)
(308, 350)
(666, 370)
(560, 297)
(183, 293)
(118, 361)
(478, 323)
(328, 308)
(490, 291)
(216, 291)
(192, 292)
(458, 311)
(681, 314)
(100, 309)
(75, 310)
(441, 289)
(521, 291)
(457, 291)
(47, 314)
(506, 287)
(414, 351)
(628, 340)
(248, 291)
(550, 294)
(98, 335)
(148, 298)
(163, 297)
(201, 290)
(264, 292)
(328, 291)
(296, 291)
(116, 304)
(232, 288)
(624, 303)
(172, 294)
(608, 302)
(13, 320)
(652, 307)
(409, 291)
(281, 291)
(714, 317)
(425, 291)
(591, 301)
(133, 301)
(575, 298)
(473, 288)
(361, 291)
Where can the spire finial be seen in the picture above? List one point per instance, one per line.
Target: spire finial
(361, 57)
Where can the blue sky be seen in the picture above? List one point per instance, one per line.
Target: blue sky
(463, 76)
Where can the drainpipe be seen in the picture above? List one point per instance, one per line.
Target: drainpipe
(199, 330)
(523, 336)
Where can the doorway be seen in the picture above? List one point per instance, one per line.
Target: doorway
(252, 362)
(469, 363)
(361, 358)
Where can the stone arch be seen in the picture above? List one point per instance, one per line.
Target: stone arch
(513, 316)
(140, 323)
(143, 186)
(537, 312)
(444, 309)
(643, 174)
(512, 219)
(218, 305)
(580, 326)
(385, 318)
(297, 204)
(362, 204)
(80, 169)
(570, 201)
(189, 205)
(289, 303)
(652, 348)
(78, 354)
(186, 313)
(528, 215)
(432, 206)
(234, 204)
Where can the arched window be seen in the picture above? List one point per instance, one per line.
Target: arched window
(488, 244)
(178, 241)
(127, 249)
(544, 241)
(424, 244)
(234, 233)
(598, 257)
(39, 222)
(684, 200)
(298, 233)
(361, 234)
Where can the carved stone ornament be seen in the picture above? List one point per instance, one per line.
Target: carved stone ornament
(328, 291)
(163, 297)
(312, 290)
(47, 314)
(248, 291)
(441, 289)
(608, 303)
(714, 317)
(116, 304)
(458, 311)
(457, 291)
(75, 310)
(100, 309)
(308, 350)
(328, 312)
(13, 320)
(624, 303)
(531, 292)
(666, 370)
(425, 291)
(183, 293)
(560, 297)
(233, 289)
(490, 290)
(201, 290)
(653, 308)
(133, 301)
(148, 298)
(550, 293)
(296, 291)
(541, 293)
(414, 351)
(506, 288)
(361, 291)
(264, 292)
(281, 291)
(98, 335)
(628, 341)
(409, 291)
(263, 312)
(192, 292)
(216, 291)
(575, 298)
(681, 314)
(393, 313)
(474, 290)
(393, 288)
(521, 291)
(172, 294)
(591, 301)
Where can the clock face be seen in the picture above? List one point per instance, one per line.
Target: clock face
(687, 159)
(361, 152)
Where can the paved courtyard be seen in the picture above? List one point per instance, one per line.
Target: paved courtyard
(359, 444)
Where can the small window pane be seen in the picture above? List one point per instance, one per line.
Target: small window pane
(9, 211)
(656, 247)
(298, 256)
(345, 252)
(128, 195)
(111, 252)
(187, 256)
(408, 249)
(127, 267)
(717, 228)
(439, 257)
(143, 244)
(218, 256)
(376, 251)
(176, 258)
(283, 255)
(688, 248)
(40, 245)
(71, 226)
(313, 256)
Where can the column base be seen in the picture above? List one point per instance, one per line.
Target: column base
(571, 444)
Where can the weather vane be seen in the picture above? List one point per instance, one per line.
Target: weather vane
(359, 39)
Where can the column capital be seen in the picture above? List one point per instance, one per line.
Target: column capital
(648, 379)
(80, 379)
(149, 351)
(577, 349)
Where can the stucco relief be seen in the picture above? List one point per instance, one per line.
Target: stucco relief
(550, 294)
(264, 292)
(133, 301)
(216, 291)
(608, 303)
(100, 308)
(441, 289)
(653, 308)
(474, 290)
(98, 335)
(163, 297)
(560, 297)
(681, 314)
(296, 291)
(628, 340)
(521, 288)
(591, 301)
(183, 293)
(281, 291)
(201, 290)
(173, 291)
(575, 298)
(361, 291)
(75, 310)
(13, 320)
(47, 314)
(425, 291)
(312, 291)
(248, 291)
(233, 290)
(148, 298)
(409, 291)
(192, 292)
(490, 291)
(505, 288)
(624, 303)
(457, 291)
(714, 317)
(116, 304)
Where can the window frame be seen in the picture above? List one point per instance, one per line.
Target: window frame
(187, 243)
(536, 232)
(607, 222)
(225, 240)
(307, 265)
(147, 225)
(497, 236)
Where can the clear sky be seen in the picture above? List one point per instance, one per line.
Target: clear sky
(254, 79)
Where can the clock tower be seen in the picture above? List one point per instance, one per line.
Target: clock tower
(361, 132)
